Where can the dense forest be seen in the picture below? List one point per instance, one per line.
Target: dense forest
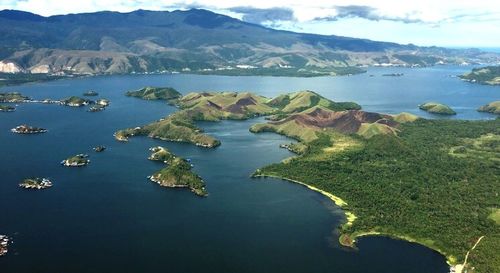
(426, 185)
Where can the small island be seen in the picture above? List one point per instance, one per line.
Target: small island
(4, 243)
(492, 107)
(74, 101)
(102, 102)
(7, 108)
(437, 108)
(393, 75)
(79, 160)
(489, 75)
(177, 173)
(36, 183)
(99, 149)
(155, 93)
(15, 97)
(25, 129)
(96, 108)
(91, 93)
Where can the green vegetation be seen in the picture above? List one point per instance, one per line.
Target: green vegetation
(411, 187)
(13, 97)
(437, 108)
(177, 173)
(484, 147)
(492, 107)
(155, 93)
(495, 216)
(21, 78)
(483, 75)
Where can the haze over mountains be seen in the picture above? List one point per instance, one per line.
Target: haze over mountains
(193, 40)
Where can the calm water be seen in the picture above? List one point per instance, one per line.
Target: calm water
(107, 217)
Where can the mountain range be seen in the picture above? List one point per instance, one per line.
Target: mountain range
(194, 40)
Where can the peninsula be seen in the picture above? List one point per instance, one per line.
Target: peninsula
(177, 173)
(403, 184)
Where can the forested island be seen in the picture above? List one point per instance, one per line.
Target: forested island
(434, 182)
(484, 75)
(177, 173)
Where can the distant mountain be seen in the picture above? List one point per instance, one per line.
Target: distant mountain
(193, 40)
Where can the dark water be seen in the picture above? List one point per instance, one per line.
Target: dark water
(107, 217)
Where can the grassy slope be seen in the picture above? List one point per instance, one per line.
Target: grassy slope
(492, 107)
(437, 108)
(411, 187)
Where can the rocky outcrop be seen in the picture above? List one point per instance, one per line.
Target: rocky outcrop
(10, 67)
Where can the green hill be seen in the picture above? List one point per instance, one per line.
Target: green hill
(437, 108)
(155, 93)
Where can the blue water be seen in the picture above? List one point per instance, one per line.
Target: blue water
(107, 217)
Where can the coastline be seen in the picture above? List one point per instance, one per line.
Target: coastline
(351, 217)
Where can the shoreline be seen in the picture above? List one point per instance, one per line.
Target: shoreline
(351, 217)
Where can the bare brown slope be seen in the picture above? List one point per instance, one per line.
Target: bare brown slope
(344, 121)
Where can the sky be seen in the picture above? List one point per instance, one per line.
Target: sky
(451, 23)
